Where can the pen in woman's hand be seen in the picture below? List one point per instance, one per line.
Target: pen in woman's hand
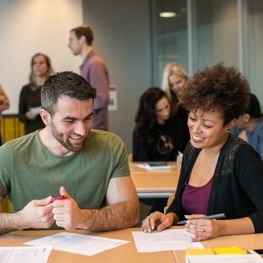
(214, 216)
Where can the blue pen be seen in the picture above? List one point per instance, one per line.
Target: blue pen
(214, 216)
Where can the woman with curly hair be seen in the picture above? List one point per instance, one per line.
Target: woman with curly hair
(220, 173)
(29, 99)
(157, 135)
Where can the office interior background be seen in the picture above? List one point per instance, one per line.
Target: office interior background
(135, 42)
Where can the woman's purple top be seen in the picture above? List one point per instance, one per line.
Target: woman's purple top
(195, 199)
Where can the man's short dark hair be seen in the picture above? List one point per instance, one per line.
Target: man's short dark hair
(65, 83)
(86, 31)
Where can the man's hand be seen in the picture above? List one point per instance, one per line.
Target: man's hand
(66, 212)
(36, 214)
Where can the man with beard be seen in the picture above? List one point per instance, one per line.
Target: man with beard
(87, 169)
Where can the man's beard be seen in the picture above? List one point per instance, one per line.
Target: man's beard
(65, 142)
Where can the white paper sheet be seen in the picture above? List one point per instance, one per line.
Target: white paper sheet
(37, 254)
(171, 239)
(240, 258)
(35, 111)
(78, 243)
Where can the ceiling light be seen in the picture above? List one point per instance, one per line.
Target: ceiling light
(167, 14)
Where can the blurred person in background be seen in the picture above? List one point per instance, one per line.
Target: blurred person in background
(174, 82)
(250, 125)
(29, 99)
(94, 70)
(4, 105)
(158, 136)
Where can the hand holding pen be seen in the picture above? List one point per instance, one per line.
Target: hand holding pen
(203, 227)
(214, 216)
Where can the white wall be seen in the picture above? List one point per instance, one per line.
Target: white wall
(31, 26)
(122, 37)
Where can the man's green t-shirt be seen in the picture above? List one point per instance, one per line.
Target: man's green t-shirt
(29, 171)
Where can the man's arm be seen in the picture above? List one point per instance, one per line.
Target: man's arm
(122, 210)
(99, 79)
(36, 214)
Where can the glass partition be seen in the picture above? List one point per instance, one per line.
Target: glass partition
(254, 63)
(169, 35)
(216, 32)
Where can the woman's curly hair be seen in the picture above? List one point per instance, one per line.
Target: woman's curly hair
(217, 88)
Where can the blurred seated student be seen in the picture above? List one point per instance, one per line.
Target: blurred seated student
(4, 104)
(250, 125)
(220, 173)
(29, 99)
(174, 82)
(157, 136)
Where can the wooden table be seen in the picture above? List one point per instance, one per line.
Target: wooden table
(155, 183)
(125, 253)
(246, 242)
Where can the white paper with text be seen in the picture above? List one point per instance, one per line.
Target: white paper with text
(171, 239)
(78, 243)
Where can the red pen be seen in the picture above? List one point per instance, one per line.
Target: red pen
(61, 197)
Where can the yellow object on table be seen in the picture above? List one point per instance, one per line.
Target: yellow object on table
(229, 250)
(215, 251)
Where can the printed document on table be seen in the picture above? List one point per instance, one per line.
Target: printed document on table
(37, 254)
(230, 258)
(171, 239)
(78, 243)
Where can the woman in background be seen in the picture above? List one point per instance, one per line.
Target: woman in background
(174, 82)
(157, 136)
(29, 100)
(220, 173)
(4, 104)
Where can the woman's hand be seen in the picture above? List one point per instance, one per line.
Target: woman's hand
(202, 229)
(157, 221)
